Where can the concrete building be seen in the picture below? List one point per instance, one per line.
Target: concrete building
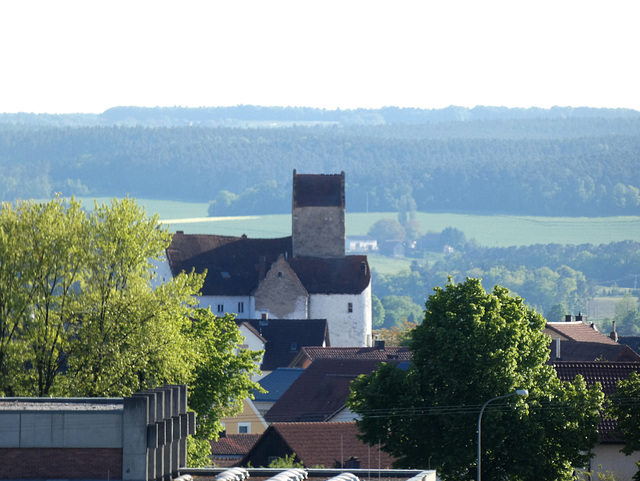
(137, 438)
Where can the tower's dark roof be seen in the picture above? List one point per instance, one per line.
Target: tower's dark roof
(318, 190)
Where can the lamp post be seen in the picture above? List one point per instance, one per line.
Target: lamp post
(519, 392)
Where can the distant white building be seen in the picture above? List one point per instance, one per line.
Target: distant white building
(304, 276)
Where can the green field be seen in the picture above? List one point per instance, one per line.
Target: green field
(487, 230)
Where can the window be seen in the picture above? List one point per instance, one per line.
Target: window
(240, 307)
(350, 307)
(244, 428)
(220, 307)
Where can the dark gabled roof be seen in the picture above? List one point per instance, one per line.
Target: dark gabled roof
(320, 391)
(285, 338)
(318, 190)
(310, 354)
(593, 351)
(607, 374)
(233, 263)
(321, 444)
(276, 383)
(632, 341)
(338, 275)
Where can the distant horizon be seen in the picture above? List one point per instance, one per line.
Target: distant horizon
(323, 108)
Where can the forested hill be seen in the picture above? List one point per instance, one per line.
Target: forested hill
(559, 161)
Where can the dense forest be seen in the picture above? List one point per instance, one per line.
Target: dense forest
(561, 161)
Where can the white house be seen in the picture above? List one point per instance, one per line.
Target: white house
(304, 276)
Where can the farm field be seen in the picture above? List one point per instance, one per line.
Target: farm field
(487, 230)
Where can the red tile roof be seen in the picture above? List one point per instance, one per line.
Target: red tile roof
(593, 351)
(607, 374)
(310, 354)
(578, 331)
(234, 444)
(321, 444)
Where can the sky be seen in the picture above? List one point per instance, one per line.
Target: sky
(85, 56)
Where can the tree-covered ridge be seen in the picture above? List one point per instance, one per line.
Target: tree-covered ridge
(543, 166)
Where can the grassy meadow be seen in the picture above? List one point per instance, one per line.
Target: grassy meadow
(487, 230)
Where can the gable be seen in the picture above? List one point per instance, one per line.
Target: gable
(234, 265)
(317, 444)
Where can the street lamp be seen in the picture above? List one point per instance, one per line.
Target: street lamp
(519, 392)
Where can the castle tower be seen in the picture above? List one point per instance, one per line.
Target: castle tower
(318, 215)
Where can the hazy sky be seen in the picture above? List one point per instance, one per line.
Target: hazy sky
(89, 55)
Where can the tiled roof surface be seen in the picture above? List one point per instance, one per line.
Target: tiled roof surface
(632, 341)
(234, 444)
(578, 331)
(234, 265)
(276, 383)
(594, 351)
(285, 338)
(338, 275)
(320, 390)
(318, 190)
(326, 444)
(388, 353)
(607, 374)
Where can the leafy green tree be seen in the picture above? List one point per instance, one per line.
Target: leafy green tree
(377, 311)
(387, 229)
(627, 315)
(289, 461)
(222, 373)
(79, 315)
(624, 406)
(471, 347)
(557, 313)
(398, 309)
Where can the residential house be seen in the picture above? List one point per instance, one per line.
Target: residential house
(229, 449)
(320, 392)
(305, 276)
(275, 384)
(361, 243)
(607, 456)
(248, 421)
(284, 338)
(328, 445)
(574, 340)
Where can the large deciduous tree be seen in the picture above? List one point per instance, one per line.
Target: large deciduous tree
(82, 314)
(624, 406)
(473, 346)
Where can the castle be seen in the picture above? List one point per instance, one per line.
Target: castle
(304, 276)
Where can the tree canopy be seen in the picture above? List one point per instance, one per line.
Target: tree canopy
(471, 347)
(624, 406)
(83, 314)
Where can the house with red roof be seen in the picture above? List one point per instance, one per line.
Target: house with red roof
(575, 340)
(316, 445)
(378, 352)
(304, 276)
(608, 459)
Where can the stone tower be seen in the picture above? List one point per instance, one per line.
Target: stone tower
(318, 215)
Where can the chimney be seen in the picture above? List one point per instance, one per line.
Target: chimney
(558, 353)
(581, 318)
(262, 268)
(379, 344)
(264, 314)
(613, 335)
(568, 318)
